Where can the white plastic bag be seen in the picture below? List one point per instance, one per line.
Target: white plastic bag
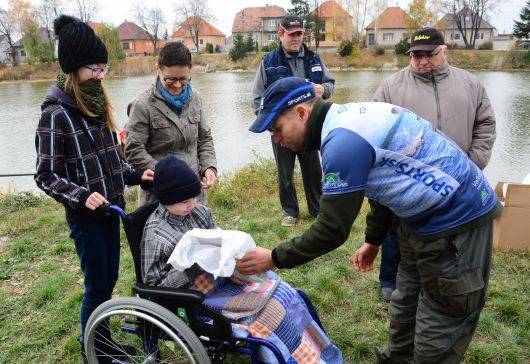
(214, 250)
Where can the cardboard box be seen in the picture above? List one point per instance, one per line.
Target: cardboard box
(511, 231)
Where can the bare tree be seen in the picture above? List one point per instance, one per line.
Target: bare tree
(151, 21)
(357, 9)
(467, 16)
(190, 15)
(8, 30)
(86, 9)
(46, 12)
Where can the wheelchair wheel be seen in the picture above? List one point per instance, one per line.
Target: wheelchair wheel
(135, 330)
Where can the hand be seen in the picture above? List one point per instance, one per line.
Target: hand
(209, 179)
(363, 260)
(148, 175)
(319, 89)
(95, 200)
(258, 261)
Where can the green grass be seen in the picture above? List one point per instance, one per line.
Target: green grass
(41, 283)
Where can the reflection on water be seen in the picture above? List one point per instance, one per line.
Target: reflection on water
(226, 100)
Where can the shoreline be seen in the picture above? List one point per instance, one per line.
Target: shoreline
(365, 60)
(239, 70)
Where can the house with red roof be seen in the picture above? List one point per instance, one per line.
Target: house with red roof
(338, 24)
(135, 41)
(207, 34)
(260, 22)
(388, 28)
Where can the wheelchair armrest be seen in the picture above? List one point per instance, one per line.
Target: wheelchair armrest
(167, 293)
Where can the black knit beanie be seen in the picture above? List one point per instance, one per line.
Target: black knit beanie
(78, 44)
(174, 181)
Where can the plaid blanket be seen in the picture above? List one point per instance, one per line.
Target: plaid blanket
(271, 310)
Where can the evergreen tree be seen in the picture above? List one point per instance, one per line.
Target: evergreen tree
(249, 43)
(238, 50)
(521, 29)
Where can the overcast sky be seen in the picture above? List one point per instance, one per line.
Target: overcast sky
(115, 11)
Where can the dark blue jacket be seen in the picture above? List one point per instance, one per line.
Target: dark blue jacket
(277, 66)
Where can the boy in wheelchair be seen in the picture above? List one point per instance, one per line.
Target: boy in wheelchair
(270, 310)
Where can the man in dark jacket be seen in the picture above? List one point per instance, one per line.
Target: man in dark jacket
(445, 204)
(293, 58)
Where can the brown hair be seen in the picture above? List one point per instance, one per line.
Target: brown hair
(174, 54)
(72, 80)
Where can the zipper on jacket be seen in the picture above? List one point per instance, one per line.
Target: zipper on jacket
(438, 111)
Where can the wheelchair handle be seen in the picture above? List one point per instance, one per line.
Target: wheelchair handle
(109, 209)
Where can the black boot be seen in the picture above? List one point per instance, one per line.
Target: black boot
(83, 353)
(381, 358)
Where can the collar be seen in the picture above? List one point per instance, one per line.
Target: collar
(438, 73)
(301, 52)
(62, 97)
(315, 124)
(171, 218)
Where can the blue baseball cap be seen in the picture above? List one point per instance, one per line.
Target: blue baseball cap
(282, 94)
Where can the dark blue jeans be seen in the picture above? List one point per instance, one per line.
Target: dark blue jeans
(98, 247)
(390, 258)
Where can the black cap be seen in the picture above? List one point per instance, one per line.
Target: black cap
(174, 181)
(292, 23)
(426, 39)
(78, 44)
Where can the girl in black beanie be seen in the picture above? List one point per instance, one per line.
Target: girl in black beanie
(78, 163)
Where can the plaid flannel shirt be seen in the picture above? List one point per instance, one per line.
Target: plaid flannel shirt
(162, 232)
(68, 168)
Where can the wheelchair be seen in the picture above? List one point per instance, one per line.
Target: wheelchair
(165, 325)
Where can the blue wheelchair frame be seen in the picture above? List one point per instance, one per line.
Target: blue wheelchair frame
(248, 346)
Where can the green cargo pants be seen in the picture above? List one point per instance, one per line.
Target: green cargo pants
(441, 290)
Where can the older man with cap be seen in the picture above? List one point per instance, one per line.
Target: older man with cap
(444, 202)
(293, 58)
(455, 103)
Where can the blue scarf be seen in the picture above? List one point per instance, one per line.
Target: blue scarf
(178, 102)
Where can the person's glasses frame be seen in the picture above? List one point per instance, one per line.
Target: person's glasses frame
(431, 55)
(96, 71)
(171, 80)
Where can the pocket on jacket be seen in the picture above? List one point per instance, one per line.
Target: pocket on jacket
(162, 130)
(461, 295)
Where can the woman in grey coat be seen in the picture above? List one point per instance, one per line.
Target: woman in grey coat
(168, 119)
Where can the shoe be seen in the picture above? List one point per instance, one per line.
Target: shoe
(83, 354)
(381, 358)
(289, 220)
(386, 292)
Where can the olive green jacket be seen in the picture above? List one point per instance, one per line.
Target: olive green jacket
(154, 130)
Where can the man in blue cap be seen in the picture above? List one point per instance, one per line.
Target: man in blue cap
(443, 200)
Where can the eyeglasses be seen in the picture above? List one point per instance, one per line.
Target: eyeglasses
(171, 80)
(96, 71)
(419, 56)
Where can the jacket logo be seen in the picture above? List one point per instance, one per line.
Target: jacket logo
(316, 68)
(418, 175)
(421, 37)
(332, 181)
(299, 99)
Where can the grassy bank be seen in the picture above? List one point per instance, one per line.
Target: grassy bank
(41, 283)
(138, 66)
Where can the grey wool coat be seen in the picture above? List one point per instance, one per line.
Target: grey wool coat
(452, 100)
